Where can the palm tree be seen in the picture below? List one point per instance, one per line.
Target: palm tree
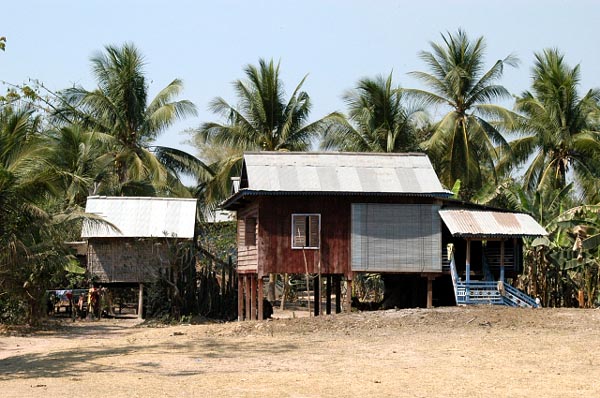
(560, 129)
(78, 163)
(262, 121)
(120, 108)
(463, 143)
(379, 120)
(30, 249)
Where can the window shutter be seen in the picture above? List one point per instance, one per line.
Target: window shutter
(396, 238)
(314, 231)
(250, 231)
(299, 225)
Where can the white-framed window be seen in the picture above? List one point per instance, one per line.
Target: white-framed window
(306, 231)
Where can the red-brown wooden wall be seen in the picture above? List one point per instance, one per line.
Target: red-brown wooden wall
(274, 216)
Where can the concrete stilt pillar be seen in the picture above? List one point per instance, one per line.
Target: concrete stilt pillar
(429, 292)
(348, 301)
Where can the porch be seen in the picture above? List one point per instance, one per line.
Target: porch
(496, 239)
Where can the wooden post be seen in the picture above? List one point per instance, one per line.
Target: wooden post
(468, 271)
(581, 298)
(140, 313)
(317, 296)
(348, 301)
(253, 296)
(338, 293)
(328, 294)
(260, 297)
(502, 260)
(429, 291)
(247, 295)
(240, 299)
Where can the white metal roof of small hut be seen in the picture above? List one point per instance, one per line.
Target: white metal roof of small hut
(141, 217)
(341, 172)
(485, 223)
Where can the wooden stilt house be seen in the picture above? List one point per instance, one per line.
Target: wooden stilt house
(339, 214)
(133, 247)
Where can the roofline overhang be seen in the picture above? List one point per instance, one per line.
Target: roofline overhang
(457, 204)
(493, 236)
(233, 202)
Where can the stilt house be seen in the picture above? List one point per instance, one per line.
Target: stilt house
(133, 247)
(340, 214)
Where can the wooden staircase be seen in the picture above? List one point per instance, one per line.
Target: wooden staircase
(488, 292)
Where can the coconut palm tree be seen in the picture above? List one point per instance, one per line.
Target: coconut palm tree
(379, 120)
(30, 250)
(119, 107)
(78, 163)
(463, 144)
(262, 120)
(560, 129)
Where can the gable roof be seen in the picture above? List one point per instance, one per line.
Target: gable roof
(488, 224)
(337, 173)
(141, 217)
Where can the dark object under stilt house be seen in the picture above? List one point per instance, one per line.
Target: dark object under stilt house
(340, 214)
(135, 247)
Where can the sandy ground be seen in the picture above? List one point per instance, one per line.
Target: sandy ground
(443, 352)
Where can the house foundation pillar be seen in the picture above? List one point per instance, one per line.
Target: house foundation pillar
(247, 296)
(468, 271)
(429, 292)
(348, 298)
(338, 293)
(317, 296)
(240, 291)
(260, 298)
(328, 295)
(502, 261)
(253, 297)
(140, 312)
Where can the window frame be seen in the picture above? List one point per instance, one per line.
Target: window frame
(306, 231)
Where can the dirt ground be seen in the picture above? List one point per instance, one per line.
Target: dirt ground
(443, 352)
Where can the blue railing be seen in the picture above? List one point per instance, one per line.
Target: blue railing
(478, 292)
(519, 298)
(487, 292)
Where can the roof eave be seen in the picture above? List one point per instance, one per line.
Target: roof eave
(230, 203)
(495, 236)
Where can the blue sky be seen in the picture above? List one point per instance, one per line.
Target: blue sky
(207, 43)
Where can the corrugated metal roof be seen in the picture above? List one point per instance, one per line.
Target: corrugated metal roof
(341, 172)
(482, 223)
(141, 217)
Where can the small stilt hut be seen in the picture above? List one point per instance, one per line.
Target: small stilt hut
(132, 248)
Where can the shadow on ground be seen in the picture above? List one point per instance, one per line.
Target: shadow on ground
(132, 355)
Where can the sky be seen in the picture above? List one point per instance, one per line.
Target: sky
(334, 42)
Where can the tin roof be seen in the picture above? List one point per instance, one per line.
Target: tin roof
(341, 172)
(141, 217)
(487, 224)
